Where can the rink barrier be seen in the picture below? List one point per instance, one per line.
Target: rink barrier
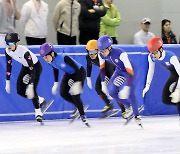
(14, 108)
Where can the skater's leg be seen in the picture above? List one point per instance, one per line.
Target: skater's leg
(109, 105)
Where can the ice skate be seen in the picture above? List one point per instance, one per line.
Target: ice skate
(138, 120)
(127, 113)
(84, 119)
(76, 114)
(38, 115)
(75, 111)
(42, 102)
(140, 109)
(107, 108)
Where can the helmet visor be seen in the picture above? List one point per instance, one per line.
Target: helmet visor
(93, 52)
(10, 43)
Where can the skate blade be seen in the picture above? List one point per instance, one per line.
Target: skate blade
(87, 125)
(112, 113)
(47, 105)
(140, 125)
(41, 123)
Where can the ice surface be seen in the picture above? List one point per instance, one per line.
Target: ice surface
(161, 135)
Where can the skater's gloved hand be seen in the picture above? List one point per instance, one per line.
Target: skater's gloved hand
(30, 91)
(124, 93)
(89, 83)
(76, 88)
(145, 90)
(175, 96)
(7, 88)
(26, 79)
(54, 88)
(104, 88)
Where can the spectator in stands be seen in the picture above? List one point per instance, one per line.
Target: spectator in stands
(8, 14)
(142, 36)
(89, 19)
(65, 19)
(168, 36)
(110, 21)
(34, 21)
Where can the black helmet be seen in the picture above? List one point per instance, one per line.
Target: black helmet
(12, 37)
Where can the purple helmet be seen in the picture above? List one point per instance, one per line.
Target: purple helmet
(104, 42)
(45, 49)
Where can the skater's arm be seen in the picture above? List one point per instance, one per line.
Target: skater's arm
(71, 62)
(102, 68)
(89, 66)
(8, 66)
(56, 74)
(175, 62)
(150, 70)
(29, 60)
(124, 58)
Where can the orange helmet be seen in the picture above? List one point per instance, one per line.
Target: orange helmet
(154, 44)
(91, 47)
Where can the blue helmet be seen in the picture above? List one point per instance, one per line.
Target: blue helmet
(104, 42)
(45, 49)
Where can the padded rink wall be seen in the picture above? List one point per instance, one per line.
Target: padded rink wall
(14, 108)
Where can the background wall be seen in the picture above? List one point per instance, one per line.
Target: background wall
(132, 13)
(15, 107)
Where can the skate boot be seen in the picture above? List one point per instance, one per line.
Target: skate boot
(107, 108)
(42, 101)
(38, 115)
(127, 113)
(124, 116)
(84, 119)
(138, 120)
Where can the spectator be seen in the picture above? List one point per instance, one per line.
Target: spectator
(89, 19)
(34, 21)
(168, 36)
(110, 21)
(65, 19)
(143, 35)
(8, 14)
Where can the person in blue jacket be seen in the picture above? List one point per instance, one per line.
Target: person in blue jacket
(73, 79)
(121, 86)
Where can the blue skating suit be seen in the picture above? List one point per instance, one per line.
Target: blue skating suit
(59, 63)
(123, 75)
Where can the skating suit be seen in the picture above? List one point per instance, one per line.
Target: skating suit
(123, 75)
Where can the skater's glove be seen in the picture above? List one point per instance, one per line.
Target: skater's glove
(175, 96)
(124, 93)
(145, 90)
(30, 91)
(76, 88)
(7, 88)
(54, 88)
(104, 88)
(89, 83)
(26, 79)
